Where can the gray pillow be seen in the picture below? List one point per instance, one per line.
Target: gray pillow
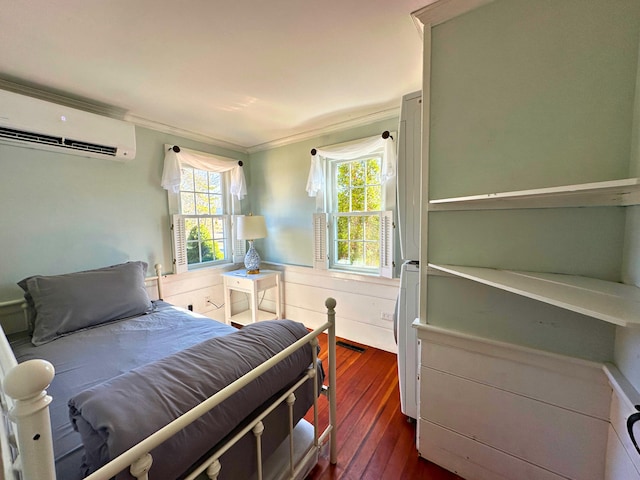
(73, 301)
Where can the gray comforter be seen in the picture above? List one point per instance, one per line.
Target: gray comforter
(115, 415)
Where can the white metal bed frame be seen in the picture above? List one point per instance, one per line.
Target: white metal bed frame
(26, 442)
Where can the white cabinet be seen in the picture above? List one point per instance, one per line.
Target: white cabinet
(530, 159)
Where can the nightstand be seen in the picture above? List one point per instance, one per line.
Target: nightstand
(252, 284)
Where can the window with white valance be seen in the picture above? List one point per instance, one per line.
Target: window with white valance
(204, 193)
(379, 144)
(354, 186)
(175, 157)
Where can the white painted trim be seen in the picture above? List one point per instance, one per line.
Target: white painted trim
(320, 233)
(336, 274)
(104, 110)
(622, 387)
(362, 299)
(444, 10)
(180, 132)
(385, 113)
(611, 192)
(480, 390)
(611, 302)
(621, 454)
(510, 351)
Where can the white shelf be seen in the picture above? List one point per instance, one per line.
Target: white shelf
(612, 302)
(244, 318)
(613, 192)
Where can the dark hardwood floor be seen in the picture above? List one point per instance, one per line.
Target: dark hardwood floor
(375, 441)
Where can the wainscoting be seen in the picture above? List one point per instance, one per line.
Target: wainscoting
(361, 300)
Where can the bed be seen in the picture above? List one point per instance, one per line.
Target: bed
(107, 383)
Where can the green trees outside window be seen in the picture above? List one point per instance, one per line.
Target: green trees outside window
(201, 244)
(202, 204)
(358, 202)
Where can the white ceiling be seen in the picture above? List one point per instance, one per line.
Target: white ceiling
(241, 72)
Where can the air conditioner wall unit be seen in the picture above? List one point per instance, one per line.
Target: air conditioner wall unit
(34, 123)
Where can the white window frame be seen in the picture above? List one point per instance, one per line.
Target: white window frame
(324, 236)
(234, 249)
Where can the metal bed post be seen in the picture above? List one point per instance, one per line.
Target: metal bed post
(158, 268)
(330, 303)
(291, 400)
(257, 432)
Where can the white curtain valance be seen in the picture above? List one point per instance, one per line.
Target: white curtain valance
(174, 161)
(368, 146)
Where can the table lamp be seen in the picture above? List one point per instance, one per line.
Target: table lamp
(251, 227)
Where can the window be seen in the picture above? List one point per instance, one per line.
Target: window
(204, 192)
(206, 225)
(356, 204)
(355, 232)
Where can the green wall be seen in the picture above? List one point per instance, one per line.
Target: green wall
(528, 95)
(63, 213)
(277, 191)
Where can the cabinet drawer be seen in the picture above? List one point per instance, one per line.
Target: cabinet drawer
(474, 460)
(570, 383)
(565, 442)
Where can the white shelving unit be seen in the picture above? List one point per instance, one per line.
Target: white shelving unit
(621, 192)
(612, 302)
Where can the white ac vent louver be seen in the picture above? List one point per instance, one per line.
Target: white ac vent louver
(35, 123)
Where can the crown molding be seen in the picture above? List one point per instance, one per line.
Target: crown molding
(121, 114)
(60, 99)
(336, 127)
(191, 135)
(114, 112)
(443, 10)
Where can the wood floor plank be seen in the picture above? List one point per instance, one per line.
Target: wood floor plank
(375, 441)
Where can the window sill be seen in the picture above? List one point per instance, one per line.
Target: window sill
(338, 274)
(208, 270)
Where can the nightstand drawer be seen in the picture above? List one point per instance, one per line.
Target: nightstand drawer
(238, 283)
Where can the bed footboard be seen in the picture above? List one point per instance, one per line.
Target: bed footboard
(25, 432)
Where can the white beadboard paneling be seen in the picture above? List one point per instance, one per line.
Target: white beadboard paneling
(582, 389)
(360, 308)
(347, 282)
(479, 461)
(357, 316)
(346, 328)
(192, 288)
(360, 300)
(619, 465)
(620, 411)
(567, 443)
